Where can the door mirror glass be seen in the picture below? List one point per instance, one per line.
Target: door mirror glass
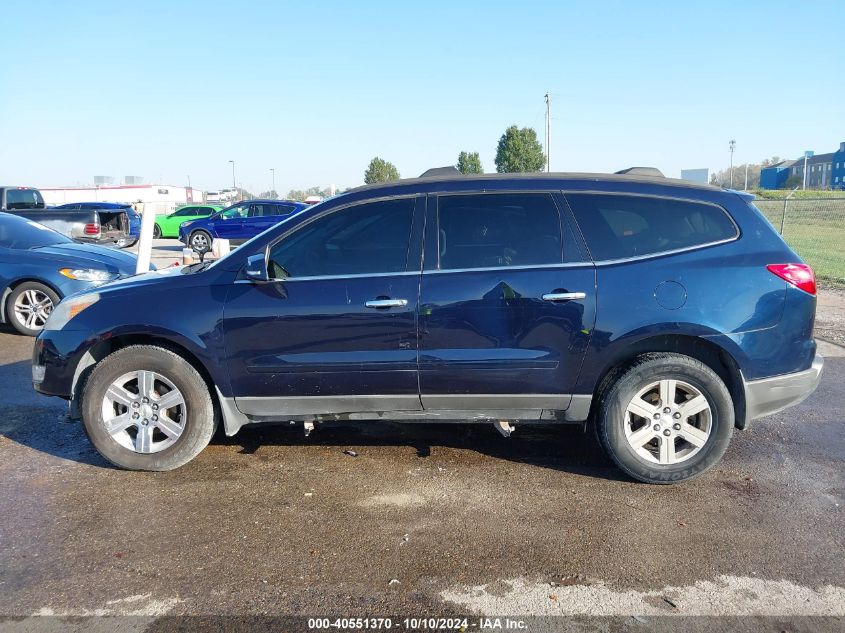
(256, 268)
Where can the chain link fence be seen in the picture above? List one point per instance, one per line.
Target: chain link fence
(815, 229)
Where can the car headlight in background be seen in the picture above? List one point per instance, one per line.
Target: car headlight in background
(68, 309)
(87, 274)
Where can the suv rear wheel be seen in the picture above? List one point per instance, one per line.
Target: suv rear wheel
(666, 418)
(146, 408)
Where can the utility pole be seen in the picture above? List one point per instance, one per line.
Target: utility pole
(234, 186)
(548, 132)
(732, 147)
(273, 172)
(746, 177)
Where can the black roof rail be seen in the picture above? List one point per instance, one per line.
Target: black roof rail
(439, 172)
(654, 172)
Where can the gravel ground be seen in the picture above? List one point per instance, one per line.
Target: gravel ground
(830, 315)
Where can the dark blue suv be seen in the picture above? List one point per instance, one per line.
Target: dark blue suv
(237, 223)
(662, 312)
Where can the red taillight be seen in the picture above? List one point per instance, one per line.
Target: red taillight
(91, 229)
(799, 275)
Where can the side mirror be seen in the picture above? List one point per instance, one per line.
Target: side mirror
(256, 268)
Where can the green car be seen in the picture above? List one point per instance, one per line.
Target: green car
(168, 225)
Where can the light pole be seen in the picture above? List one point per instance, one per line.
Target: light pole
(234, 186)
(548, 132)
(273, 174)
(807, 154)
(732, 146)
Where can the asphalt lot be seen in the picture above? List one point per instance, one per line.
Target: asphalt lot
(425, 520)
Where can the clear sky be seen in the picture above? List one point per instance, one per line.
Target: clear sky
(168, 89)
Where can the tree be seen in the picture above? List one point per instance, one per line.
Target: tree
(380, 170)
(469, 163)
(722, 178)
(269, 195)
(299, 195)
(519, 151)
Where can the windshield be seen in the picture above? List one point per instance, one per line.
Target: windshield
(17, 199)
(25, 234)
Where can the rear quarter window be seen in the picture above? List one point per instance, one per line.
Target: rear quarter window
(620, 226)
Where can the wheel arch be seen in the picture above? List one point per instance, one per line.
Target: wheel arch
(10, 288)
(107, 346)
(702, 349)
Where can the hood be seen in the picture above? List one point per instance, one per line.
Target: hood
(91, 256)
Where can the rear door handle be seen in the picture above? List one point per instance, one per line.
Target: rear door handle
(386, 303)
(564, 296)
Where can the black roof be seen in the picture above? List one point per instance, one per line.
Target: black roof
(632, 177)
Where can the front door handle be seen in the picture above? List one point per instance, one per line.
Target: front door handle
(386, 303)
(564, 296)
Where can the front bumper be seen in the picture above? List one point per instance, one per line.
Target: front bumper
(56, 358)
(770, 395)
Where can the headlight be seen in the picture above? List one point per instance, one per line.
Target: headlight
(185, 225)
(87, 274)
(68, 309)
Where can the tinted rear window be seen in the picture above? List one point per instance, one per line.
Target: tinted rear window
(492, 230)
(619, 226)
(23, 199)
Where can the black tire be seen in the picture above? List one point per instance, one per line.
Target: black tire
(203, 234)
(156, 232)
(625, 384)
(199, 425)
(12, 317)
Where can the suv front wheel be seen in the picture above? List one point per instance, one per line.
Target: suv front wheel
(146, 408)
(666, 418)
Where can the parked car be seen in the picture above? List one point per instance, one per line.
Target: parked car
(168, 225)
(662, 312)
(134, 230)
(97, 226)
(38, 267)
(237, 223)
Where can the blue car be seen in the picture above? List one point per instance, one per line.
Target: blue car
(134, 233)
(662, 313)
(38, 267)
(237, 223)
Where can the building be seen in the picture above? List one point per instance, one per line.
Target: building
(162, 198)
(701, 176)
(824, 171)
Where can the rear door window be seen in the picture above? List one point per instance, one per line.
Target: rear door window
(498, 230)
(620, 226)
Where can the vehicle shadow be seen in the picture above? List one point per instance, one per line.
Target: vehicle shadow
(565, 447)
(41, 423)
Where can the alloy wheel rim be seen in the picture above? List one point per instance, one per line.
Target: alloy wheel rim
(668, 422)
(32, 308)
(144, 412)
(199, 241)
